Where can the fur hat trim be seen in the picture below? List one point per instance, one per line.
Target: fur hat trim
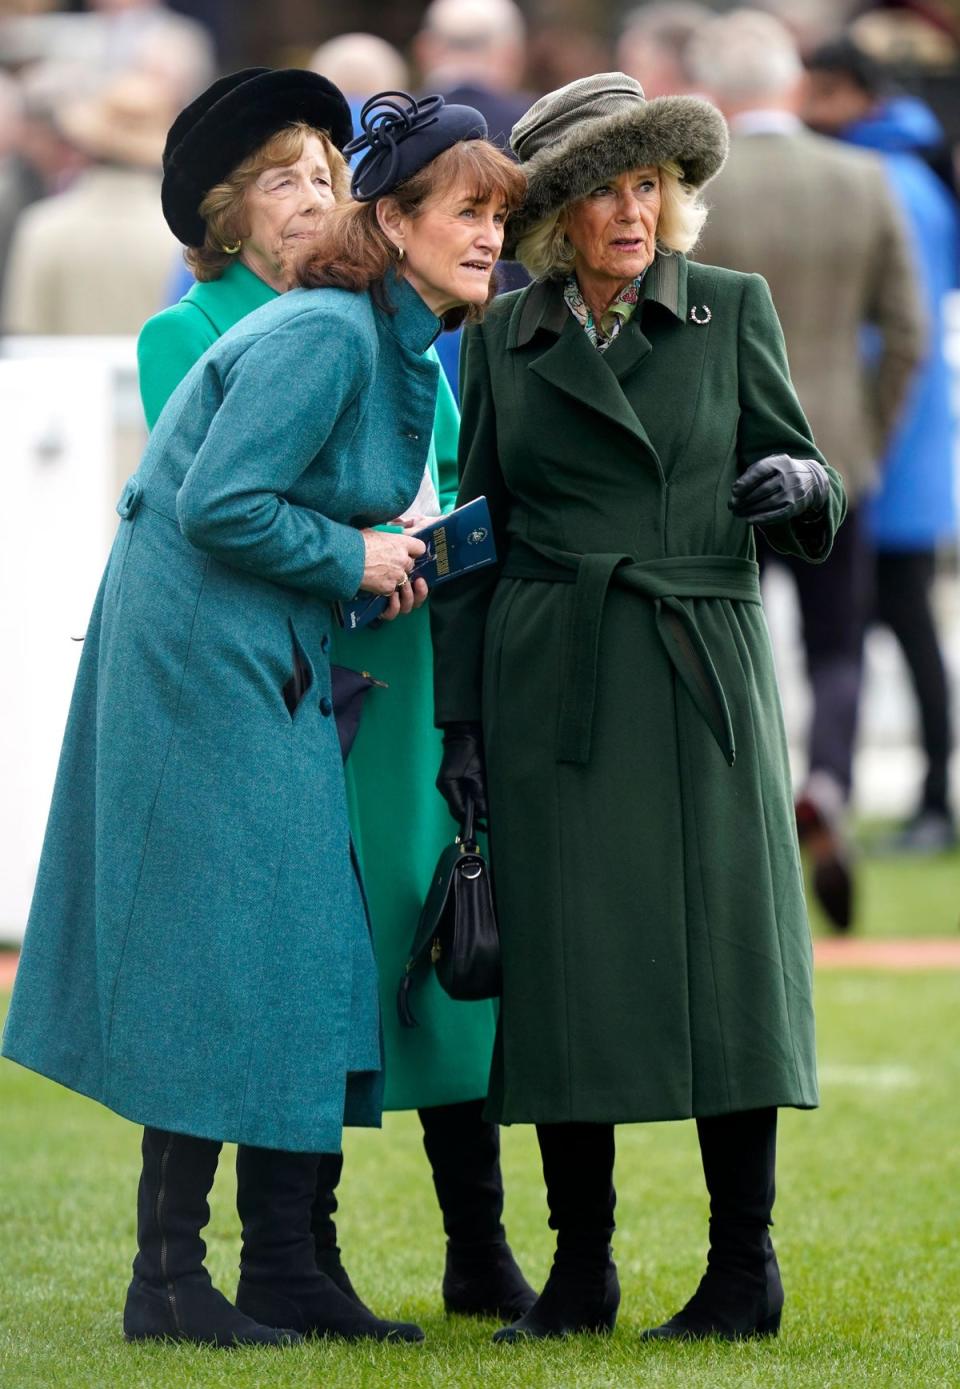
(681, 129)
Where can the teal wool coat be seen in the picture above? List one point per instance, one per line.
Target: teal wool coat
(446, 1059)
(197, 955)
(656, 952)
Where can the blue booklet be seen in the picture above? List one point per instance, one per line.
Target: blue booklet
(456, 544)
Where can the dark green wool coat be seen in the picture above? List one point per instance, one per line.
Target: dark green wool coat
(656, 951)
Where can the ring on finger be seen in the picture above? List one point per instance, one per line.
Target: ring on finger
(402, 581)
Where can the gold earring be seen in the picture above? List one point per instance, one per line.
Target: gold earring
(231, 250)
(400, 253)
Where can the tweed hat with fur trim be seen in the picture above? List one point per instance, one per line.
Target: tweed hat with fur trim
(597, 127)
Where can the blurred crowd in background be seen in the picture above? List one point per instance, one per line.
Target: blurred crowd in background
(841, 190)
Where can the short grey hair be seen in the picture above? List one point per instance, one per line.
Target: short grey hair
(475, 22)
(667, 25)
(745, 55)
(360, 64)
(546, 253)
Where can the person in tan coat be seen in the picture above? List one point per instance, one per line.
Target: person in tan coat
(825, 233)
(96, 258)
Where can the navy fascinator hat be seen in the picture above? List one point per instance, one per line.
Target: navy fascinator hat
(401, 135)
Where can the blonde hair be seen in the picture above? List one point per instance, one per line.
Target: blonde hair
(546, 252)
(223, 205)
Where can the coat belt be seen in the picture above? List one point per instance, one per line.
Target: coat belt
(665, 582)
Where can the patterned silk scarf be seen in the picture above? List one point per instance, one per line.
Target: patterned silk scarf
(612, 319)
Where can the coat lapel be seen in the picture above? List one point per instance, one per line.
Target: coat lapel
(574, 366)
(571, 364)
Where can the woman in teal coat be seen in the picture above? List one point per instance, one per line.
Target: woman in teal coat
(275, 193)
(197, 955)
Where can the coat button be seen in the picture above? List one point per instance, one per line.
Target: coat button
(324, 643)
(130, 498)
(326, 706)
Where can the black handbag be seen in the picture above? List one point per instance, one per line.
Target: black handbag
(457, 931)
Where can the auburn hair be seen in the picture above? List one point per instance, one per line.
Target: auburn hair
(223, 206)
(351, 251)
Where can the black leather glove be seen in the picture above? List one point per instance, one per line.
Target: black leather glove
(779, 488)
(462, 771)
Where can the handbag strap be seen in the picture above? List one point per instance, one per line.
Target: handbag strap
(420, 959)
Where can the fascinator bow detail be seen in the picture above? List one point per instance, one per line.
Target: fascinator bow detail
(387, 120)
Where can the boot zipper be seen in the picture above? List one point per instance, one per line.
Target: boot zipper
(161, 1193)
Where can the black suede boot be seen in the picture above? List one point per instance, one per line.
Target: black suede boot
(481, 1277)
(582, 1292)
(280, 1283)
(323, 1228)
(740, 1296)
(171, 1296)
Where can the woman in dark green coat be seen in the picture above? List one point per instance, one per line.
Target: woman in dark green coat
(609, 690)
(287, 175)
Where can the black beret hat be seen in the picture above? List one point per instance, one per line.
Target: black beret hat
(228, 122)
(401, 135)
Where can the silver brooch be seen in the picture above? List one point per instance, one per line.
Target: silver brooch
(707, 315)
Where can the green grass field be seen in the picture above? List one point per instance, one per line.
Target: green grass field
(867, 1232)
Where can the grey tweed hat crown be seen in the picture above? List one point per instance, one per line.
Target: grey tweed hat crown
(597, 127)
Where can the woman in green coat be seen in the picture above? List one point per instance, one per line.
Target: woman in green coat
(248, 221)
(630, 419)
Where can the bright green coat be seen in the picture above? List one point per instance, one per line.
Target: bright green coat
(656, 952)
(399, 822)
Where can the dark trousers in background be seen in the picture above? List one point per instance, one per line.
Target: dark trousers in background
(835, 602)
(904, 579)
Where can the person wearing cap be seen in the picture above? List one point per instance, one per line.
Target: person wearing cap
(266, 184)
(608, 690)
(197, 955)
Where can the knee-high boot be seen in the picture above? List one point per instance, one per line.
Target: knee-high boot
(582, 1292)
(481, 1277)
(740, 1295)
(171, 1295)
(323, 1226)
(280, 1283)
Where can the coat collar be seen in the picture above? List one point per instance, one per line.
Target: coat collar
(225, 301)
(571, 363)
(542, 306)
(411, 323)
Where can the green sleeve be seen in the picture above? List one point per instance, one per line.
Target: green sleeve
(772, 421)
(168, 346)
(446, 434)
(458, 611)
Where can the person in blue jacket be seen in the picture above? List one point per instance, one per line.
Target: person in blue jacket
(913, 512)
